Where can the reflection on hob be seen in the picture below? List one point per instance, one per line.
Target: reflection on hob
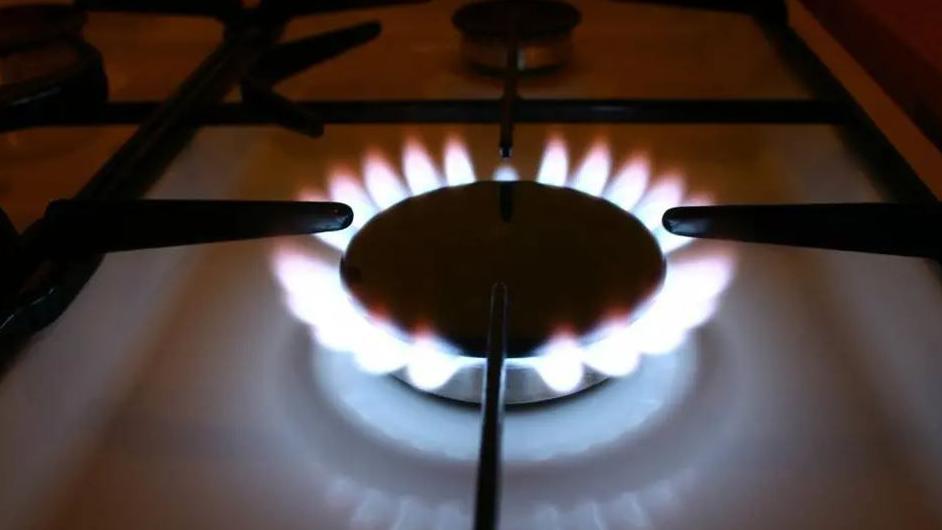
(556, 354)
(529, 35)
(47, 69)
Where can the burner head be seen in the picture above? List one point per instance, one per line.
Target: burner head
(570, 261)
(47, 70)
(542, 29)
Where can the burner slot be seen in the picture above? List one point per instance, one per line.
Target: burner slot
(487, 501)
(555, 111)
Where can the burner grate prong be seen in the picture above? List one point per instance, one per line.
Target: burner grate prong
(287, 59)
(878, 228)
(510, 88)
(487, 501)
(82, 227)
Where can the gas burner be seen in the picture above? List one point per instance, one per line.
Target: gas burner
(47, 70)
(570, 261)
(439, 352)
(539, 30)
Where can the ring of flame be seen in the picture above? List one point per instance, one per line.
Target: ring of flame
(687, 298)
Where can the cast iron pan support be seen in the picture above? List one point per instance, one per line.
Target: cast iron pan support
(288, 59)
(285, 60)
(487, 500)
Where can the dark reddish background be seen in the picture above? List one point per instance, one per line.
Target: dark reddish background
(899, 42)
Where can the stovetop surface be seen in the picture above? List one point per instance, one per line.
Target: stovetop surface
(180, 391)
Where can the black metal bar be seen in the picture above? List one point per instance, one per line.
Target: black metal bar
(881, 228)
(509, 96)
(77, 228)
(588, 111)
(142, 159)
(678, 111)
(9, 238)
(290, 58)
(287, 59)
(275, 109)
(759, 8)
(487, 500)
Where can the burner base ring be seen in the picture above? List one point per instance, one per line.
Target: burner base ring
(524, 385)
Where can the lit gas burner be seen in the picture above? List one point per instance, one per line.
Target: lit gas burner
(593, 282)
(535, 32)
(570, 260)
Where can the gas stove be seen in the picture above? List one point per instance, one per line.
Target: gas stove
(528, 300)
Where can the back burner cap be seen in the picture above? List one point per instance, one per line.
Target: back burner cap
(541, 28)
(531, 19)
(570, 262)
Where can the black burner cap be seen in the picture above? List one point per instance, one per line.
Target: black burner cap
(533, 19)
(26, 25)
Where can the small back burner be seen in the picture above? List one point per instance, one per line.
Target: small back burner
(571, 262)
(47, 70)
(539, 29)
